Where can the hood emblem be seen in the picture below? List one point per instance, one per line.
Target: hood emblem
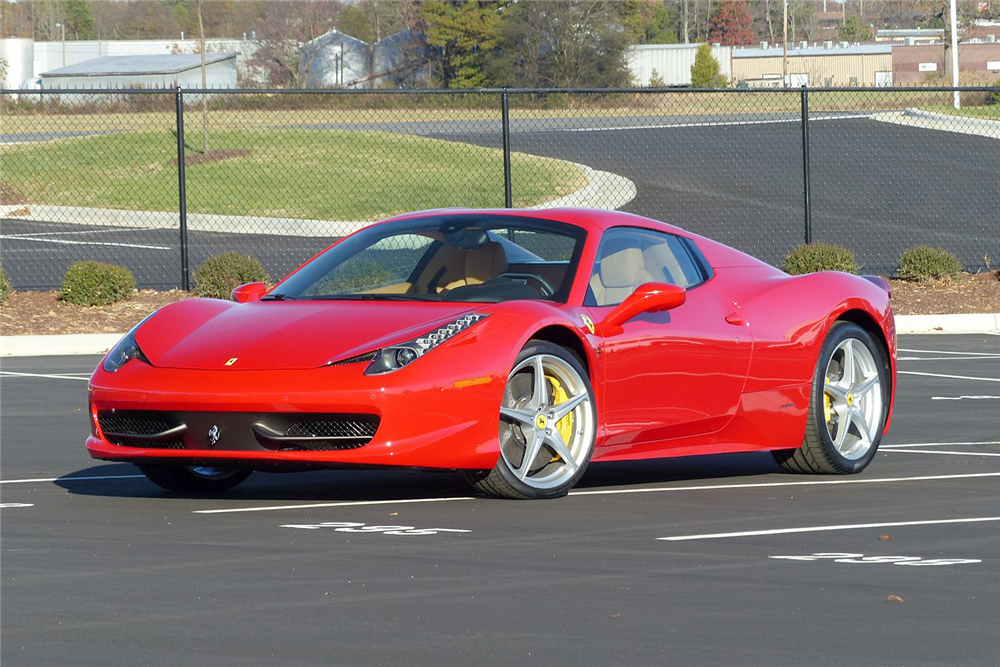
(589, 322)
(213, 435)
(231, 361)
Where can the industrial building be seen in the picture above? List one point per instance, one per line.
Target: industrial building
(828, 65)
(670, 64)
(27, 59)
(155, 72)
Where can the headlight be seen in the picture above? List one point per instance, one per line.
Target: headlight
(394, 357)
(125, 350)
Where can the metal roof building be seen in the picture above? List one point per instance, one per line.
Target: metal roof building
(670, 63)
(828, 65)
(160, 71)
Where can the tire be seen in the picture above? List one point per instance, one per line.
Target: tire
(531, 418)
(848, 408)
(193, 479)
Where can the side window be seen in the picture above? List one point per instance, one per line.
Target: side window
(629, 257)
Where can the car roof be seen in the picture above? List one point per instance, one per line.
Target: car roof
(590, 219)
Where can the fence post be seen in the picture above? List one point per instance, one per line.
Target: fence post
(182, 192)
(806, 180)
(505, 121)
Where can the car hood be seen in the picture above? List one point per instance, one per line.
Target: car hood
(208, 334)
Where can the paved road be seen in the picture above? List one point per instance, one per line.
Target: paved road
(101, 568)
(876, 187)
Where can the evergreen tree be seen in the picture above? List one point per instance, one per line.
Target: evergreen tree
(464, 32)
(705, 71)
(79, 22)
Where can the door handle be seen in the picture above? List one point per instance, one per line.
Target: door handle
(735, 319)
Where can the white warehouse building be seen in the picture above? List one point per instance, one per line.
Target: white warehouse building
(153, 72)
(671, 63)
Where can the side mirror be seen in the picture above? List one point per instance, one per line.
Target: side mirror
(648, 298)
(250, 292)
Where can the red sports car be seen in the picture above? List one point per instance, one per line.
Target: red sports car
(516, 346)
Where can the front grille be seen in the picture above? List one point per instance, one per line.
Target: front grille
(117, 422)
(340, 428)
(147, 444)
(242, 431)
(127, 428)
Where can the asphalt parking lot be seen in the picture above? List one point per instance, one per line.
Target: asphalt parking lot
(701, 561)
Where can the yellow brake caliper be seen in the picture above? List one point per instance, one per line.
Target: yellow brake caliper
(564, 425)
(827, 407)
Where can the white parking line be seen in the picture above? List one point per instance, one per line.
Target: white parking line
(8, 506)
(670, 126)
(274, 508)
(612, 492)
(938, 451)
(941, 444)
(823, 529)
(35, 239)
(953, 377)
(44, 375)
(68, 479)
(116, 230)
(992, 356)
(978, 354)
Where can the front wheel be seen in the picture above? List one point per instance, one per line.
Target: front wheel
(847, 412)
(547, 426)
(193, 479)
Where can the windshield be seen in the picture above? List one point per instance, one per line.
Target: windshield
(484, 258)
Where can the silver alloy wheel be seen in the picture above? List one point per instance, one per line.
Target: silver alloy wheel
(853, 399)
(548, 412)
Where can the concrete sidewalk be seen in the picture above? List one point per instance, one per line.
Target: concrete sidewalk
(942, 122)
(38, 346)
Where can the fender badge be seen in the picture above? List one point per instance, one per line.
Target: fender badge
(231, 361)
(589, 322)
(213, 435)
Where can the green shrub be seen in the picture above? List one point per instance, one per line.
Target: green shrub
(924, 262)
(90, 283)
(994, 97)
(5, 287)
(222, 273)
(812, 257)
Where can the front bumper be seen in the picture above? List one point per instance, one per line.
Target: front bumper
(426, 418)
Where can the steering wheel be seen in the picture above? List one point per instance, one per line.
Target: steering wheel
(544, 288)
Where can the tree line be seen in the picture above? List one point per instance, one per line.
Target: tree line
(473, 43)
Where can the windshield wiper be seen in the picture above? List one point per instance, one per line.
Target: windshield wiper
(277, 297)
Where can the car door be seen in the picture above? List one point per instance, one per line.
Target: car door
(669, 374)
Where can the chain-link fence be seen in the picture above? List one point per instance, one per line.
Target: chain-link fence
(158, 181)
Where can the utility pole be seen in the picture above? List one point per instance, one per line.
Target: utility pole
(956, 102)
(204, 83)
(784, 44)
(63, 27)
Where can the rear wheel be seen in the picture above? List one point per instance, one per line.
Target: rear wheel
(848, 408)
(193, 479)
(547, 426)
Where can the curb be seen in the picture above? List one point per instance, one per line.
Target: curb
(603, 190)
(971, 323)
(930, 120)
(76, 344)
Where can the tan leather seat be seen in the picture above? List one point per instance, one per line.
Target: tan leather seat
(465, 267)
(621, 271)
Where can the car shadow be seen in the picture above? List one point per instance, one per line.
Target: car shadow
(124, 480)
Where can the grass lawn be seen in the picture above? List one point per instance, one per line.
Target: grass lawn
(317, 174)
(161, 117)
